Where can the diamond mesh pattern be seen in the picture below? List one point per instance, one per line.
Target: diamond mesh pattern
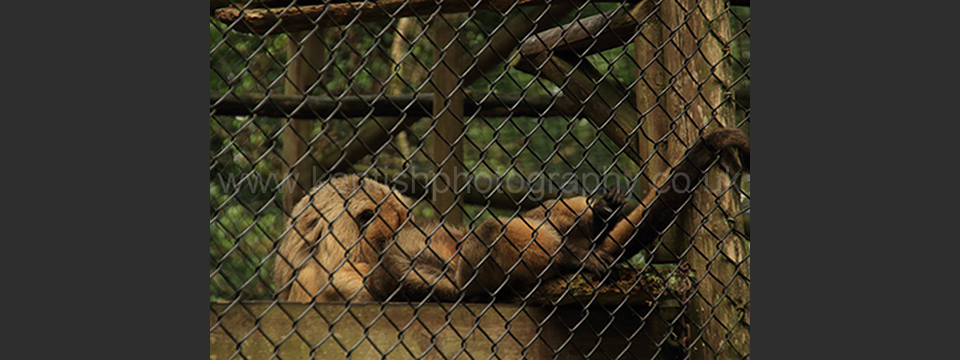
(476, 111)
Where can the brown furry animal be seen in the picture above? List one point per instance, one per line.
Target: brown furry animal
(333, 237)
(336, 242)
(643, 225)
(500, 258)
(375, 253)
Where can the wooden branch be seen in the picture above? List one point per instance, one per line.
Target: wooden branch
(557, 54)
(323, 107)
(371, 137)
(507, 38)
(604, 101)
(217, 4)
(263, 21)
(591, 34)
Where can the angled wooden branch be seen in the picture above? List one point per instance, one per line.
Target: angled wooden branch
(557, 54)
(605, 102)
(371, 137)
(507, 38)
(591, 34)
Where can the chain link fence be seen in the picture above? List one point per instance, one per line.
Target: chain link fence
(384, 178)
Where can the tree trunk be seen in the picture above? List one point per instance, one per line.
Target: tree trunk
(684, 91)
(651, 100)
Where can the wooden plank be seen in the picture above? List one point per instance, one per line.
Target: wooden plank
(418, 105)
(278, 20)
(265, 330)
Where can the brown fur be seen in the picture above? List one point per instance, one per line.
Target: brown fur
(421, 260)
(644, 224)
(500, 258)
(331, 250)
(554, 238)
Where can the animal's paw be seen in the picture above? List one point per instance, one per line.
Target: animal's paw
(611, 204)
(607, 212)
(598, 263)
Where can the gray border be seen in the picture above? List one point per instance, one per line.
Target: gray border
(109, 179)
(844, 264)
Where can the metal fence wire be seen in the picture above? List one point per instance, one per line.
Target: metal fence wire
(479, 179)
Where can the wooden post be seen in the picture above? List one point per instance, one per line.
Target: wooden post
(683, 89)
(659, 60)
(308, 55)
(447, 151)
(653, 77)
(403, 33)
(721, 306)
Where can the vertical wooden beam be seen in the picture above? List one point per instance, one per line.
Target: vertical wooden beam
(684, 88)
(665, 131)
(685, 77)
(308, 55)
(406, 74)
(653, 77)
(447, 151)
(721, 306)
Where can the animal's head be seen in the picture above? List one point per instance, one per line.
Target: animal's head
(350, 210)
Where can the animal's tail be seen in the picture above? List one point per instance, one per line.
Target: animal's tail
(640, 227)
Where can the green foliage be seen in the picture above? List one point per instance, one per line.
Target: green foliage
(240, 241)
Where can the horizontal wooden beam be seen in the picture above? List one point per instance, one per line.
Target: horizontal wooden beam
(259, 4)
(217, 4)
(324, 107)
(263, 17)
(299, 18)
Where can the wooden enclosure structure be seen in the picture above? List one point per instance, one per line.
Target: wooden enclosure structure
(685, 88)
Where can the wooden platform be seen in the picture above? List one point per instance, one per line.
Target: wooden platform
(433, 331)
(626, 317)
